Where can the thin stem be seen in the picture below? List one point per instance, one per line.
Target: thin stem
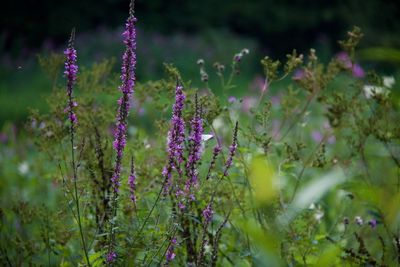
(78, 215)
(151, 211)
(296, 187)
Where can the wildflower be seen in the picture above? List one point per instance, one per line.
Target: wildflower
(372, 90)
(219, 67)
(372, 223)
(208, 213)
(200, 62)
(238, 57)
(23, 168)
(195, 145)
(232, 151)
(245, 51)
(344, 59)
(388, 81)
(111, 257)
(70, 72)
(132, 183)
(127, 88)
(357, 71)
(299, 75)
(318, 215)
(170, 255)
(317, 136)
(232, 99)
(181, 206)
(203, 75)
(331, 139)
(176, 138)
(358, 220)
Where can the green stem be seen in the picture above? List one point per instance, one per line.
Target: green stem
(76, 194)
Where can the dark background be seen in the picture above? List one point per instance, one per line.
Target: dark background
(277, 25)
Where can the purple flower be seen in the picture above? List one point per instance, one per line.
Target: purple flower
(195, 146)
(373, 223)
(331, 139)
(347, 63)
(181, 206)
(232, 151)
(344, 59)
(176, 138)
(170, 255)
(127, 88)
(357, 71)
(317, 136)
(111, 257)
(238, 57)
(299, 75)
(132, 183)
(208, 213)
(70, 72)
(232, 99)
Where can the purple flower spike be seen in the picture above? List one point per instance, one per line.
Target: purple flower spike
(208, 213)
(232, 151)
(132, 183)
(70, 72)
(195, 146)
(127, 89)
(176, 138)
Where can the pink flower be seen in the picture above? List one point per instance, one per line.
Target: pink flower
(232, 99)
(357, 71)
(317, 136)
(355, 68)
(344, 58)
